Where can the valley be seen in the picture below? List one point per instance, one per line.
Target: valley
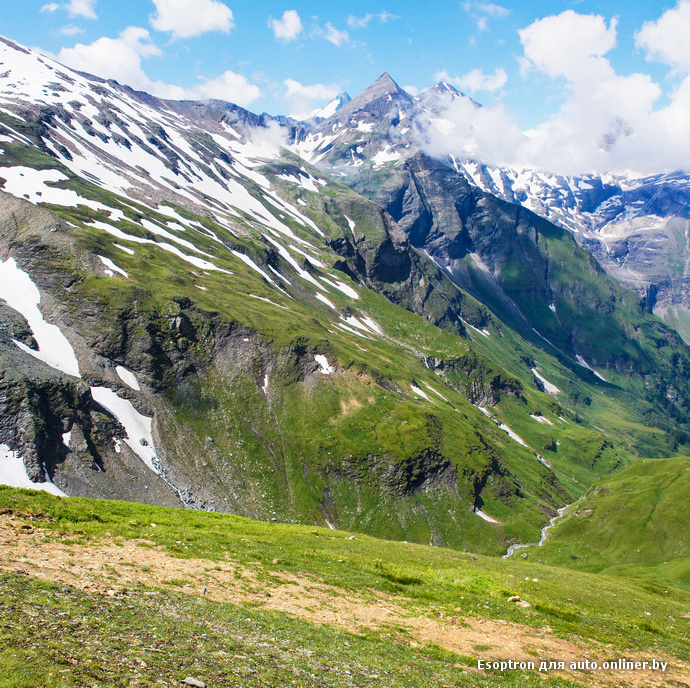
(292, 389)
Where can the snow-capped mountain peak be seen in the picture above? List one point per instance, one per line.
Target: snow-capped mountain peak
(331, 108)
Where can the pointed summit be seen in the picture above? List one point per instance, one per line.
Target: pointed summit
(384, 85)
(380, 99)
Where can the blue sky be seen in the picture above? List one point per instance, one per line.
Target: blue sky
(531, 63)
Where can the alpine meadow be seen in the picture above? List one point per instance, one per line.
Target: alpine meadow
(313, 402)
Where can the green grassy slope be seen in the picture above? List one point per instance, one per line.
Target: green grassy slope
(227, 360)
(164, 633)
(632, 524)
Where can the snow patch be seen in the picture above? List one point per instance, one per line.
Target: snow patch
(420, 392)
(128, 378)
(584, 364)
(384, 156)
(351, 320)
(348, 291)
(322, 298)
(541, 419)
(21, 294)
(435, 391)
(485, 332)
(138, 427)
(340, 326)
(13, 473)
(513, 435)
(111, 267)
(25, 182)
(324, 366)
(373, 326)
(263, 298)
(486, 517)
(550, 388)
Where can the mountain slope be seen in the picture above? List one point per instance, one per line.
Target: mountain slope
(635, 226)
(238, 332)
(530, 273)
(633, 524)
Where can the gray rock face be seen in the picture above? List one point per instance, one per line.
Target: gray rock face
(635, 227)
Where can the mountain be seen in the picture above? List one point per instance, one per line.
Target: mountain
(634, 226)
(332, 107)
(193, 315)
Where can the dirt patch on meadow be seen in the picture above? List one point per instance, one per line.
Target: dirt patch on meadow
(115, 569)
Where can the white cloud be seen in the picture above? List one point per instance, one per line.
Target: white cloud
(303, 98)
(493, 10)
(333, 35)
(359, 22)
(475, 80)
(481, 12)
(607, 122)
(666, 40)
(114, 58)
(288, 28)
(71, 30)
(606, 117)
(466, 130)
(75, 8)
(558, 45)
(229, 86)
(189, 18)
(316, 91)
(81, 8)
(121, 59)
(362, 22)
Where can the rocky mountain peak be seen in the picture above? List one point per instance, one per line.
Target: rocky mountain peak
(378, 100)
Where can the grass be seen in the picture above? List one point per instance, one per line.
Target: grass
(159, 639)
(427, 577)
(54, 634)
(632, 524)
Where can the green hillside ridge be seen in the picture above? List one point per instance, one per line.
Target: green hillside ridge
(245, 422)
(633, 524)
(169, 630)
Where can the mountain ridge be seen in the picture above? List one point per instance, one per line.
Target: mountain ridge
(299, 354)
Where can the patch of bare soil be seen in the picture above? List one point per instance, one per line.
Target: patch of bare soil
(112, 569)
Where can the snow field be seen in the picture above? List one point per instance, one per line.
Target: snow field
(13, 473)
(21, 294)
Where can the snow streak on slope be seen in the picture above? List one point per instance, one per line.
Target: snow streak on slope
(139, 146)
(21, 294)
(13, 473)
(138, 427)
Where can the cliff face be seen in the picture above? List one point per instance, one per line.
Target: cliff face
(634, 226)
